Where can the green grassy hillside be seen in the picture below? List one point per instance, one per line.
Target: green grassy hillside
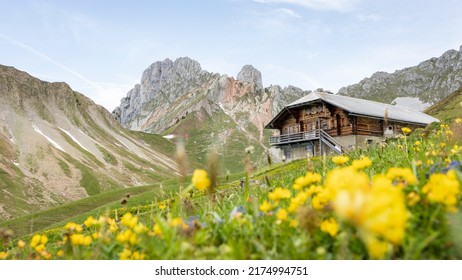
(223, 134)
(398, 200)
(449, 108)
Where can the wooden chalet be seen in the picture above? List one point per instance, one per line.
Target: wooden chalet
(322, 122)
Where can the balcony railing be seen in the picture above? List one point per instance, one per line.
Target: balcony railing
(320, 134)
(294, 137)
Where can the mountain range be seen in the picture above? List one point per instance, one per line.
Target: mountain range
(429, 82)
(180, 99)
(56, 145)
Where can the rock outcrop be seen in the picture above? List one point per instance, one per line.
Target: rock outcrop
(430, 81)
(172, 94)
(250, 74)
(168, 91)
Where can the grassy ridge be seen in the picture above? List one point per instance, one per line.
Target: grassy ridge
(449, 108)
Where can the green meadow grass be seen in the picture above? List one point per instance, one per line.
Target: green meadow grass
(227, 222)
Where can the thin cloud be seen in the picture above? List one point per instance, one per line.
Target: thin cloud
(49, 59)
(370, 17)
(286, 13)
(288, 74)
(276, 21)
(335, 5)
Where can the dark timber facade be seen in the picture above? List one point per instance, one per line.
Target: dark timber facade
(322, 122)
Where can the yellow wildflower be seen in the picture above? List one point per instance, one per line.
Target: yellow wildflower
(458, 120)
(162, 206)
(412, 198)
(112, 225)
(361, 163)
(96, 235)
(293, 223)
(200, 179)
(44, 239)
(38, 240)
(281, 215)
(330, 226)
(443, 188)
(265, 206)
(279, 193)
(297, 201)
(140, 228)
(60, 253)
(306, 180)
(39, 248)
(401, 174)
(79, 239)
(320, 200)
(376, 248)
(347, 178)
(456, 149)
(90, 221)
(406, 130)
(157, 230)
(125, 254)
(129, 220)
(429, 162)
(35, 240)
(178, 223)
(378, 211)
(21, 244)
(3, 255)
(138, 256)
(340, 160)
(417, 143)
(73, 227)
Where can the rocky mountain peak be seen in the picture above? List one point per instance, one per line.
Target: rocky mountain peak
(428, 82)
(250, 74)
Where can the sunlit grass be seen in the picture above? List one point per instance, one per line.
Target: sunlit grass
(397, 200)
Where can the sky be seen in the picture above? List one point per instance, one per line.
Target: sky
(101, 47)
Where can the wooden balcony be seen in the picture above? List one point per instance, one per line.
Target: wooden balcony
(305, 136)
(294, 137)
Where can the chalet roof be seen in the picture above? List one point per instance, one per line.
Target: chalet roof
(361, 107)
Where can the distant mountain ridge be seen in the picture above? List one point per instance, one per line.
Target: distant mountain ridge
(56, 145)
(430, 81)
(208, 109)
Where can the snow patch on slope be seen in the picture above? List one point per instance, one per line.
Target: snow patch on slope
(74, 139)
(54, 143)
(170, 136)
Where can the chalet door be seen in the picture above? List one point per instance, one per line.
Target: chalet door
(339, 124)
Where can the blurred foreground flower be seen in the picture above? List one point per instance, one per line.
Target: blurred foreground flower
(200, 179)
